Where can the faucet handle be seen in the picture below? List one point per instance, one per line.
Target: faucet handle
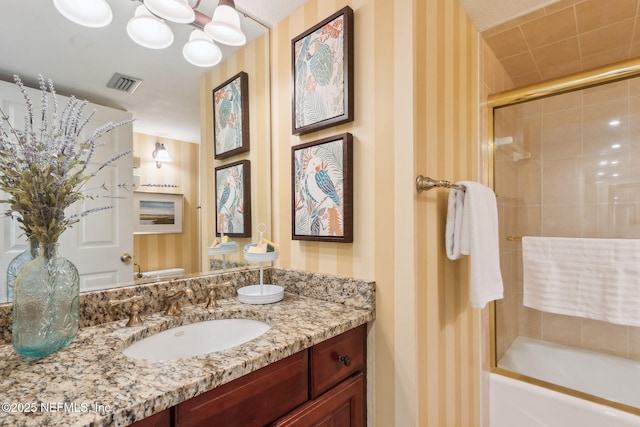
(134, 314)
(172, 297)
(213, 287)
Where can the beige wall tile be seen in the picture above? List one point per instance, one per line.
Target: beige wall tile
(568, 101)
(556, 55)
(562, 134)
(508, 43)
(604, 337)
(530, 220)
(519, 64)
(507, 324)
(608, 56)
(527, 79)
(562, 220)
(561, 329)
(634, 343)
(605, 30)
(599, 131)
(549, 29)
(609, 92)
(594, 14)
(530, 322)
(529, 183)
(607, 38)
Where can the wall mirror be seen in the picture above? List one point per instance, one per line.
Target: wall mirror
(64, 51)
(566, 171)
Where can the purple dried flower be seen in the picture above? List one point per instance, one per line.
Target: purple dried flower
(45, 173)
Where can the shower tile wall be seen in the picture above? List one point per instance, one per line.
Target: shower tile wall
(581, 179)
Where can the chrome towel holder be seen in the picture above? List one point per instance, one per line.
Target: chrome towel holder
(424, 183)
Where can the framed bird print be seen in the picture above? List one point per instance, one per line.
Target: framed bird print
(233, 199)
(322, 186)
(231, 117)
(322, 74)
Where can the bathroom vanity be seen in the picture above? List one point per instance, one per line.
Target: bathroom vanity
(309, 366)
(324, 383)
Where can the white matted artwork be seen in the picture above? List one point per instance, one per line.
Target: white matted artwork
(157, 213)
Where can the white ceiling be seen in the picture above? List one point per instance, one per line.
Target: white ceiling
(36, 39)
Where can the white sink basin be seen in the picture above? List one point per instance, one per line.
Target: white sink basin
(196, 339)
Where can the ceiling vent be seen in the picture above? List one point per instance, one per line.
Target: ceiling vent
(124, 83)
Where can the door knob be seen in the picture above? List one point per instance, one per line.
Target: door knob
(126, 258)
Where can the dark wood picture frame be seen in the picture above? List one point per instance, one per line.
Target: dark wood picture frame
(230, 106)
(322, 190)
(233, 199)
(315, 68)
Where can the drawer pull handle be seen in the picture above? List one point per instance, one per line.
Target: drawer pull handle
(345, 359)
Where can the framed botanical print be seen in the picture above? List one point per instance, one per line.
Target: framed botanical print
(322, 74)
(233, 199)
(322, 186)
(231, 117)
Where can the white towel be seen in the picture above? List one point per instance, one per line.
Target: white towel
(472, 229)
(585, 277)
(454, 223)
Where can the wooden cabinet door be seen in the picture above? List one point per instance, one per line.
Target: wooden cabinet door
(342, 406)
(253, 400)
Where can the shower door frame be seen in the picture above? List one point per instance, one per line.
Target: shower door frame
(578, 81)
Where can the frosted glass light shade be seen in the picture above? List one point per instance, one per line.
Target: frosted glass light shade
(172, 10)
(163, 155)
(149, 31)
(201, 51)
(160, 155)
(88, 13)
(225, 27)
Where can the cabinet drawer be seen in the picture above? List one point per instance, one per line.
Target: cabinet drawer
(336, 359)
(250, 401)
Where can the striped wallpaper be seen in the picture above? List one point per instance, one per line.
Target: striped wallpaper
(160, 251)
(254, 60)
(417, 111)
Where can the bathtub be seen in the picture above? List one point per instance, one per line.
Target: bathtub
(169, 273)
(517, 403)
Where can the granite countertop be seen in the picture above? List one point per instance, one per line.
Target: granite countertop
(90, 382)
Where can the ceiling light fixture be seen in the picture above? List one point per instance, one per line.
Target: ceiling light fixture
(225, 25)
(148, 28)
(148, 31)
(160, 155)
(88, 13)
(201, 51)
(172, 10)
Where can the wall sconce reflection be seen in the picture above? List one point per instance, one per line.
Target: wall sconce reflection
(160, 155)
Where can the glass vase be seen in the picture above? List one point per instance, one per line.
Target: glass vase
(46, 304)
(17, 264)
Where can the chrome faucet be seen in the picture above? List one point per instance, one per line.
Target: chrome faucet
(173, 297)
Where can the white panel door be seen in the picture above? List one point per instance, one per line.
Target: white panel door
(97, 242)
